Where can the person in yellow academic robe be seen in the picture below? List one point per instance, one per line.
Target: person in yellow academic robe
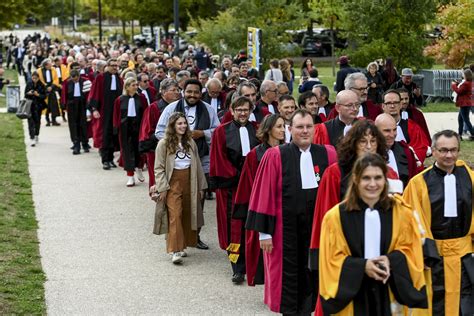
(371, 259)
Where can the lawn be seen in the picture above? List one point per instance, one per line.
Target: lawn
(12, 75)
(327, 78)
(22, 278)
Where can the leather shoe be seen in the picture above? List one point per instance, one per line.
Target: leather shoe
(112, 164)
(76, 151)
(201, 245)
(106, 166)
(238, 278)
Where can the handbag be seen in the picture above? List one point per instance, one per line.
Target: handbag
(24, 110)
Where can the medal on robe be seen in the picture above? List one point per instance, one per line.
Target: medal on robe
(316, 173)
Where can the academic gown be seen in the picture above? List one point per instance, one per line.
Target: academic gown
(262, 104)
(448, 237)
(332, 189)
(52, 101)
(224, 173)
(76, 108)
(415, 138)
(151, 94)
(329, 132)
(101, 98)
(369, 108)
(128, 129)
(253, 253)
(406, 162)
(279, 207)
(417, 116)
(344, 287)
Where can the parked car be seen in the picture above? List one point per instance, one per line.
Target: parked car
(318, 43)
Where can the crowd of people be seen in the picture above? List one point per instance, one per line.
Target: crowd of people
(332, 206)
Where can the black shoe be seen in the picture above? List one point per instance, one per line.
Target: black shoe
(56, 124)
(201, 245)
(106, 166)
(72, 147)
(86, 149)
(238, 278)
(76, 151)
(112, 164)
(48, 124)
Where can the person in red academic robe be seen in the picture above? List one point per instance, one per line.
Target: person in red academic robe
(409, 111)
(106, 88)
(325, 106)
(231, 142)
(128, 111)
(271, 133)
(147, 139)
(145, 88)
(407, 130)
(309, 101)
(280, 210)
(330, 132)
(357, 82)
(362, 138)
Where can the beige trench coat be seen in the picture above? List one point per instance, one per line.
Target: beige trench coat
(164, 166)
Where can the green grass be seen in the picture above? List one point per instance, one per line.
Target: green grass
(327, 78)
(10, 74)
(21, 275)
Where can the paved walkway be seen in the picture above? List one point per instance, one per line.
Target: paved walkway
(98, 251)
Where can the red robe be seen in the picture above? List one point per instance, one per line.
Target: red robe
(329, 132)
(371, 111)
(226, 162)
(99, 101)
(151, 91)
(147, 139)
(253, 253)
(415, 138)
(417, 116)
(275, 206)
(259, 113)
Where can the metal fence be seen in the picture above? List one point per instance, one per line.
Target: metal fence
(437, 83)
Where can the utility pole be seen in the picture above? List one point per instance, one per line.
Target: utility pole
(74, 15)
(176, 27)
(62, 17)
(100, 21)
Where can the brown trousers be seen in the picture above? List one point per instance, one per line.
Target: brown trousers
(178, 202)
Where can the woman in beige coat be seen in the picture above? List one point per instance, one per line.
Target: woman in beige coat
(180, 182)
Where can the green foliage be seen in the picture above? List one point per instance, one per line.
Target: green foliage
(226, 33)
(16, 11)
(388, 28)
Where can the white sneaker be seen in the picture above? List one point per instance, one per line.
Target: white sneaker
(32, 143)
(176, 258)
(182, 254)
(131, 181)
(36, 140)
(140, 175)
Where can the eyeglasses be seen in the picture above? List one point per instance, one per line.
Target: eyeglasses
(274, 91)
(113, 65)
(445, 151)
(242, 110)
(360, 89)
(145, 81)
(351, 105)
(391, 103)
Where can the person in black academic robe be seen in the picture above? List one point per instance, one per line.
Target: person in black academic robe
(281, 209)
(73, 98)
(49, 78)
(128, 112)
(106, 88)
(231, 142)
(371, 249)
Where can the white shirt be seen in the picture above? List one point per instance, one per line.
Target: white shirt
(244, 140)
(287, 134)
(308, 178)
(215, 104)
(131, 112)
(77, 89)
(400, 135)
(48, 75)
(271, 108)
(182, 159)
(372, 234)
(190, 116)
(113, 83)
(58, 72)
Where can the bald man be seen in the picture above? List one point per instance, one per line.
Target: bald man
(214, 95)
(347, 107)
(400, 157)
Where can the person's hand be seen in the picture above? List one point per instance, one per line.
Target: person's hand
(162, 196)
(35, 93)
(96, 114)
(197, 134)
(30, 92)
(373, 85)
(201, 194)
(49, 89)
(266, 245)
(417, 92)
(375, 272)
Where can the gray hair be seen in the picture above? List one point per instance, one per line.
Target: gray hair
(350, 80)
(167, 83)
(183, 75)
(265, 86)
(46, 61)
(101, 64)
(281, 84)
(372, 64)
(214, 81)
(248, 84)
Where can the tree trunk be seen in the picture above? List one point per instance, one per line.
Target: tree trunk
(124, 29)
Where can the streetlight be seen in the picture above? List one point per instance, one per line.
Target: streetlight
(176, 27)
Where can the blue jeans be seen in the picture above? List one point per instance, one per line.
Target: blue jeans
(463, 120)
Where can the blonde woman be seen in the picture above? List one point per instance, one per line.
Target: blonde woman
(179, 187)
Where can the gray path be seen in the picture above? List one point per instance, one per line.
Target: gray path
(98, 251)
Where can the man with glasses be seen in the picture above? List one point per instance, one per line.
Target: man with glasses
(357, 82)
(248, 89)
(202, 120)
(231, 142)
(330, 132)
(144, 88)
(214, 94)
(106, 88)
(409, 111)
(442, 195)
(407, 130)
(268, 94)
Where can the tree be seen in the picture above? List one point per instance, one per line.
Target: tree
(16, 11)
(227, 32)
(457, 42)
(389, 28)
